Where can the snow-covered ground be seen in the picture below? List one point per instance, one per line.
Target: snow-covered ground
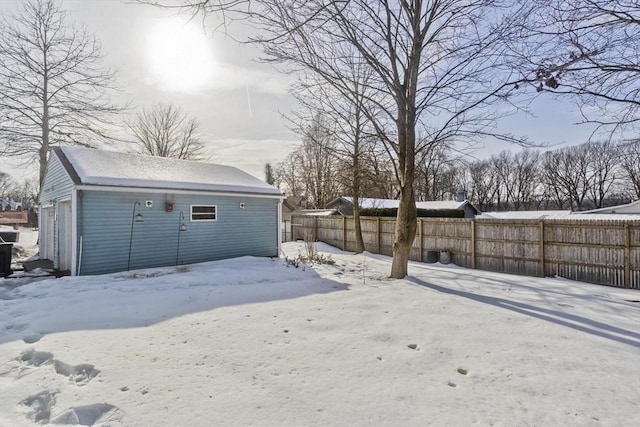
(253, 341)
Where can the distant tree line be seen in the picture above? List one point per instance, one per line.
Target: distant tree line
(587, 176)
(26, 192)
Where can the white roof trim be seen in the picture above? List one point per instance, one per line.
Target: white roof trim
(174, 191)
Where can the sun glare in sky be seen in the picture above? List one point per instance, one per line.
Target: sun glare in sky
(180, 56)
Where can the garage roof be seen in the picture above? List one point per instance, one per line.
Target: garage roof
(88, 166)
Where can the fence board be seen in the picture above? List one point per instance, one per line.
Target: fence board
(596, 251)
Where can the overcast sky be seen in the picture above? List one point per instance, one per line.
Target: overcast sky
(160, 56)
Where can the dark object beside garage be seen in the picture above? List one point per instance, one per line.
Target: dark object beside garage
(5, 259)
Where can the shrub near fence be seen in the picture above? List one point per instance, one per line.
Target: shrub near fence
(604, 252)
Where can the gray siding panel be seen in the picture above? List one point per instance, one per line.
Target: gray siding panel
(57, 183)
(105, 229)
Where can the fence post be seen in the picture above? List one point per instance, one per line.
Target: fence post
(627, 256)
(378, 234)
(541, 250)
(473, 243)
(293, 230)
(315, 229)
(421, 245)
(344, 233)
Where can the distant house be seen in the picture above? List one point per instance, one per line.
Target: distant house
(620, 212)
(457, 209)
(318, 212)
(291, 205)
(103, 211)
(526, 215)
(632, 208)
(9, 205)
(14, 218)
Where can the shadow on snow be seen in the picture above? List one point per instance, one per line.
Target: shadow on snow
(145, 297)
(569, 320)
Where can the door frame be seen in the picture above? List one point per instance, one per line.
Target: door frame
(64, 231)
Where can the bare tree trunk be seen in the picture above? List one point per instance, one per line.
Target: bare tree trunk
(356, 223)
(406, 221)
(406, 225)
(43, 150)
(357, 172)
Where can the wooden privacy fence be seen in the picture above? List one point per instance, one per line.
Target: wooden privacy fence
(605, 252)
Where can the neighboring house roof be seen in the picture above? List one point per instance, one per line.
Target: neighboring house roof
(525, 214)
(604, 216)
(368, 203)
(556, 214)
(6, 203)
(317, 212)
(629, 208)
(88, 166)
(293, 203)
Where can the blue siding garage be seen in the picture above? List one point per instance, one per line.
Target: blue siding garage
(196, 212)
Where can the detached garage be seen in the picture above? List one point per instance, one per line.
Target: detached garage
(103, 212)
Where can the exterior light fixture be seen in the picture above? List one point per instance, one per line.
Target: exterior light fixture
(134, 218)
(183, 226)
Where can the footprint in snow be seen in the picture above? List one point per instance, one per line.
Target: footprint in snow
(26, 362)
(89, 415)
(78, 374)
(40, 406)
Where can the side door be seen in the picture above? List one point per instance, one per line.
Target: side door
(64, 235)
(46, 233)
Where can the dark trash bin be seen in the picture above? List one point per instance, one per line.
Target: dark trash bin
(5, 259)
(433, 256)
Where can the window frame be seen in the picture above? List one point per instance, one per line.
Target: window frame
(191, 213)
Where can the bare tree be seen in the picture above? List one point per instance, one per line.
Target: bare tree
(343, 102)
(629, 153)
(589, 49)
(566, 175)
(319, 162)
(310, 170)
(433, 64)
(603, 170)
(433, 173)
(164, 130)
(27, 193)
(502, 168)
(288, 174)
(236, 8)
(484, 184)
(7, 184)
(379, 181)
(527, 179)
(517, 179)
(52, 88)
(269, 174)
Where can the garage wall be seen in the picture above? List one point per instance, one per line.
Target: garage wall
(105, 220)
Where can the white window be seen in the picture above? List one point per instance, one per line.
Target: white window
(203, 213)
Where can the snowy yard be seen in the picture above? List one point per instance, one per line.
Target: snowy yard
(253, 341)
